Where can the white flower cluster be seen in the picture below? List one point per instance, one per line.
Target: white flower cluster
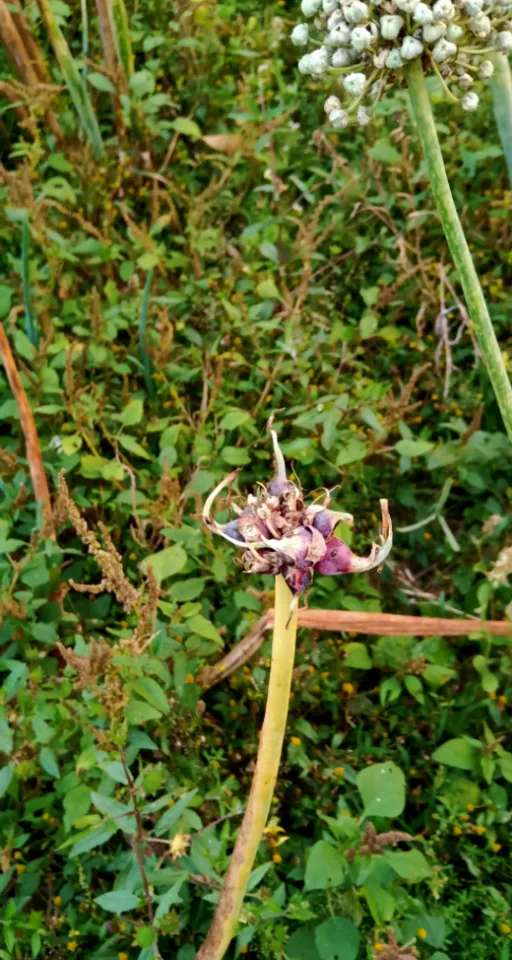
(364, 44)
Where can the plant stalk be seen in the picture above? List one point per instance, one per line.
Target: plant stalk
(482, 325)
(265, 775)
(501, 87)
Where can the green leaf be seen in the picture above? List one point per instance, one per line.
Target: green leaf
(382, 788)
(325, 868)
(186, 126)
(71, 444)
(6, 775)
(152, 692)
(505, 764)
(142, 84)
(132, 413)
(436, 675)
(5, 299)
(389, 690)
(380, 902)
(337, 939)
(257, 875)
(110, 807)
(353, 450)
(267, 290)
(204, 628)
(459, 752)
(413, 448)
(302, 945)
(235, 456)
(356, 655)
(409, 864)
(169, 899)
(235, 419)
(101, 82)
(130, 444)
(166, 563)
(414, 686)
(384, 152)
(174, 813)
(140, 712)
(94, 839)
(117, 901)
(184, 590)
(49, 763)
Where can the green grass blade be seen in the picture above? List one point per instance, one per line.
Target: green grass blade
(122, 36)
(146, 362)
(85, 43)
(78, 94)
(30, 322)
(501, 87)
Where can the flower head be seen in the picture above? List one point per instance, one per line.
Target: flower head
(280, 534)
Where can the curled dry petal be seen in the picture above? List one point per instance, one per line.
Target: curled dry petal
(280, 534)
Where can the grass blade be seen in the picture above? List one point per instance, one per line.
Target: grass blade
(146, 362)
(501, 87)
(79, 96)
(30, 322)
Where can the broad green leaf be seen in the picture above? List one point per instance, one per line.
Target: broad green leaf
(132, 413)
(356, 655)
(235, 419)
(505, 763)
(302, 945)
(459, 752)
(353, 450)
(94, 839)
(414, 686)
(436, 675)
(235, 456)
(382, 788)
(204, 628)
(380, 902)
(186, 126)
(6, 775)
(173, 814)
(110, 807)
(138, 711)
(5, 299)
(267, 290)
(152, 692)
(389, 690)
(337, 939)
(49, 763)
(325, 867)
(257, 875)
(185, 590)
(167, 562)
(409, 864)
(170, 898)
(117, 901)
(130, 444)
(384, 152)
(413, 448)
(101, 82)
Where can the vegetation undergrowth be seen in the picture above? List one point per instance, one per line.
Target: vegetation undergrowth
(228, 258)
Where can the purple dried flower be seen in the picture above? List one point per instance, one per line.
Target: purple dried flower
(280, 534)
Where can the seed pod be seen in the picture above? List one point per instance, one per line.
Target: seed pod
(390, 26)
(411, 48)
(300, 35)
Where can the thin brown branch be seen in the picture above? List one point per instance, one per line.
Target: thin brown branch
(138, 841)
(34, 454)
(349, 621)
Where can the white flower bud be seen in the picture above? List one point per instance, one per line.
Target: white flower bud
(379, 58)
(480, 26)
(408, 6)
(335, 18)
(454, 32)
(363, 117)
(338, 119)
(443, 50)
(443, 10)
(394, 60)
(486, 70)
(342, 58)
(300, 35)
(303, 64)
(423, 14)
(505, 41)
(318, 61)
(340, 36)
(473, 7)
(310, 7)
(433, 32)
(361, 38)
(354, 83)
(357, 12)
(390, 26)
(465, 81)
(411, 48)
(332, 103)
(470, 101)
(329, 6)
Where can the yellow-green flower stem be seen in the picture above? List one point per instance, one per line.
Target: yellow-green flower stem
(482, 325)
(501, 87)
(228, 909)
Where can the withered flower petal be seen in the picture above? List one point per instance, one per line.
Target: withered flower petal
(280, 534)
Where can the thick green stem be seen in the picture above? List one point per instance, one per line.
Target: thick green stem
(231, 898)
(454, 234)
(501, 86)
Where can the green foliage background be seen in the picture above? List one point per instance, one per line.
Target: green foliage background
(182, 291)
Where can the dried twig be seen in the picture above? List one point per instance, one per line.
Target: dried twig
(34, 454)
(341, 621)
